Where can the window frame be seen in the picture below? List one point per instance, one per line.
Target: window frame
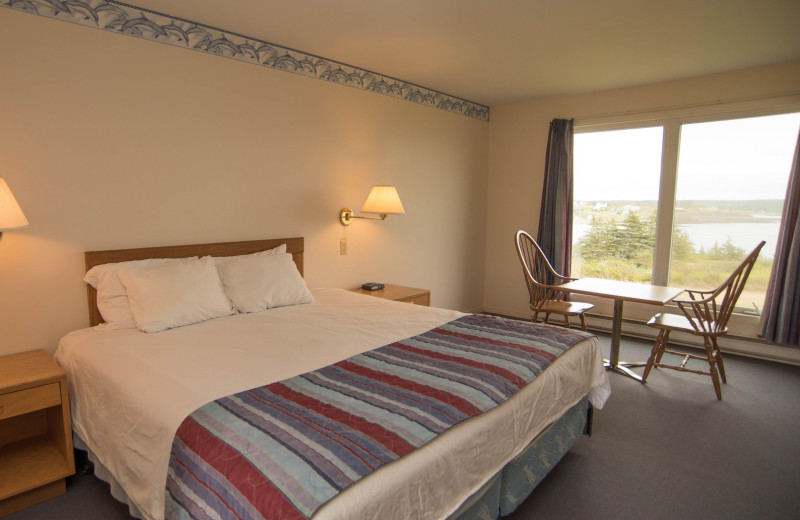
(671, 120)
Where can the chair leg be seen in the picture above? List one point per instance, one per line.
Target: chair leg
(566, 321)
(718, 359)
(583, 322)
(712, 365)
(663, 345)
(655, 354)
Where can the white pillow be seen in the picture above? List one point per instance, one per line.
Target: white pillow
(112, 299)
(223, 260)
(172, 295)
(255, 283)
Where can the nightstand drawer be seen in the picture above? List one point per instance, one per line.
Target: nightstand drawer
(422, 299)
(29, 400)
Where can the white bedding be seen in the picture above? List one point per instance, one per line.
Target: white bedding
(130, 391)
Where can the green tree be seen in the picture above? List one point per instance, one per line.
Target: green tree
(634, 237)
(682, 246)
(731, 251)
(726, 251)
(632, 240)
(597, 243)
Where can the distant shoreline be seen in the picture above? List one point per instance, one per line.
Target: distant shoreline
(761, 211)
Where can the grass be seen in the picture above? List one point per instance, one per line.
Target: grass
(696, 273)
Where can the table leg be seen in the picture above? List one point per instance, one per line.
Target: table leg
(621, 367)
(616, 333)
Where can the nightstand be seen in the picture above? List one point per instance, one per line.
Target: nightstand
(400, 293)
(35, 431)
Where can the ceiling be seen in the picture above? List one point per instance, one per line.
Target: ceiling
(501, 51)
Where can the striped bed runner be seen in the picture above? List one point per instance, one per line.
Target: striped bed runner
(283, 450)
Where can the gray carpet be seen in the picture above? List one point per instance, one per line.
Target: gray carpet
(670, 450)
(667, 450)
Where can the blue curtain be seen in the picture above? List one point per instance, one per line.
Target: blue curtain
(555, 217)
(781, 321)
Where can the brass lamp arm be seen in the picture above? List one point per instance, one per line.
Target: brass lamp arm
(346, 216)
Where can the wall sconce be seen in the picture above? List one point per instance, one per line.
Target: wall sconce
(11, 216)
(383, 200)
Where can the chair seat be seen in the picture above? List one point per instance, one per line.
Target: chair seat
(562, 307)
(681, 323)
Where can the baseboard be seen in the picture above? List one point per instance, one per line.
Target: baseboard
(741, 346)
(509, 313)
(475, 310)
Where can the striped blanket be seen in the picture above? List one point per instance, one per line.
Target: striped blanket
(283, 450)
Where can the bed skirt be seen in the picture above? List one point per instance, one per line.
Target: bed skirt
(517, 480)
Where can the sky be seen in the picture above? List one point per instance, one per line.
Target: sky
(739, 159)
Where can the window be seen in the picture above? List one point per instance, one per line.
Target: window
(614, 203)
(682, 203)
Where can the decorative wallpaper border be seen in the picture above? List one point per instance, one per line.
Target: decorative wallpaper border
(133, 21)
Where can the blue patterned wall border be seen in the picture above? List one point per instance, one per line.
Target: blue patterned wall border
(150, 25)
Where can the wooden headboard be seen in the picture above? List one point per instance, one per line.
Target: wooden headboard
(293, 245)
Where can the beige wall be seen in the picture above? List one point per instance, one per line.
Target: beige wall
(518, 140)
(111, 142)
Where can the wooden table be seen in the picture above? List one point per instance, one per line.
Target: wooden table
(621, 292)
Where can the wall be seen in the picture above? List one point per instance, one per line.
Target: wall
(518, 140)
(112, 142)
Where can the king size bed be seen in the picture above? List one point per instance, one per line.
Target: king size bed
(224, 388)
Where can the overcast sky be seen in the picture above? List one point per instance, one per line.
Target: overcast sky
(724, 160)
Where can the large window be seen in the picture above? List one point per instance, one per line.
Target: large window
(682, 203)
(615, 200)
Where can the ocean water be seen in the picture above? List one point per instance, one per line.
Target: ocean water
(744, 235)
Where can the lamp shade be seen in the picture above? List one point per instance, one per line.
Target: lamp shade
(11, 216)
(384, 200)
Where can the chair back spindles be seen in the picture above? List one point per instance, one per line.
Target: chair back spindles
(536, 268)
(706, 314)
(542, 282)
(709, 311)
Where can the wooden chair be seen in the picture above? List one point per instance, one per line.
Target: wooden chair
(705, 314)
(542, 282)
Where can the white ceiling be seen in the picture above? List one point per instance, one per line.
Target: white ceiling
(501, 51)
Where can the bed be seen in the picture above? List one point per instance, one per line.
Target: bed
(134, 385)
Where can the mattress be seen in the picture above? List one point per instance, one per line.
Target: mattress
(130, 391)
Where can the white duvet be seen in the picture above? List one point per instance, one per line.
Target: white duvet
(130, 391)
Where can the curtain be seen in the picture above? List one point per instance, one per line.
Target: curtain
(555, 217)
(781, 321)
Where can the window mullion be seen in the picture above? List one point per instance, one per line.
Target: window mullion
(666, 202)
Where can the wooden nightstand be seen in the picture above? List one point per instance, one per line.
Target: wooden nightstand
(400, 293)
(35, 430)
